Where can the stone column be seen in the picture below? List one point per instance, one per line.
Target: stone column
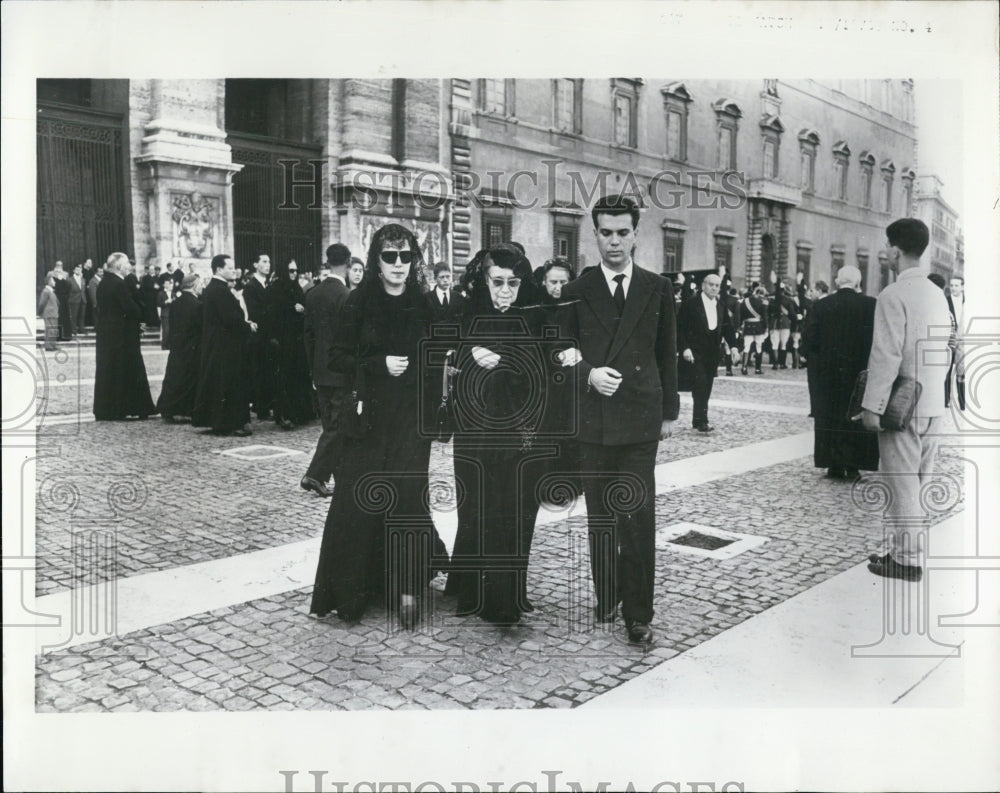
(185, 171)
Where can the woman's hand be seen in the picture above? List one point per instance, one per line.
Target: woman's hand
(485, 358)
(396, 364)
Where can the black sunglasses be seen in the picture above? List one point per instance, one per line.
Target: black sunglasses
(389, 257)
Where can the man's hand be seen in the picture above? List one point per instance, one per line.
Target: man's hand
(253, 326)
(870, 421)
(299, 308)
(605, 380)
(666, 429)
(688, 356)
(570, 357)
(396, 364)
(485, 358)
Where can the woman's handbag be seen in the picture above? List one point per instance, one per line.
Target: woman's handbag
(444, 417)
(899, 409)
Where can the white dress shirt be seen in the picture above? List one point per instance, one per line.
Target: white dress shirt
(442, 294)
(609, 276)
(711, 310)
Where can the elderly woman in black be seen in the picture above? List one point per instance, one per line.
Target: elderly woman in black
(379, 540)
(501, 394)
(285, 327)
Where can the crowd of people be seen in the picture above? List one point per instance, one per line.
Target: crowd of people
(549, 382)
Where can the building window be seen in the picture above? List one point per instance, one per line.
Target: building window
(867, 164)
(566, 102)
(863, 265)
(673, 250)
(727, 117)
(803, 261)
(836, 261)
(625, 107)
(497, 228)
(497, 96)
(808, 145)
(66, 92)
(841, 163)
(566, 237)
(888, 173)
(771, 129)
(724, 252)
(676, 100)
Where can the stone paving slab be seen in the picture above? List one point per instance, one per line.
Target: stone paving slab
(269, 654)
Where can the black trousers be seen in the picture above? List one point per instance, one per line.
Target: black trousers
(620, 490)
(701, 390)
(327, 456)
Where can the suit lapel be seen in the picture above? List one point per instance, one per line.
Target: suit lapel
(601, 302)
(638, 296)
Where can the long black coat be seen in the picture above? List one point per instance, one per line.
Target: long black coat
(323, 304)
(62, 295)
(120, 388)
(222, 401)
(285, 328)
(180, 383)
(379, 539)
(839, 339)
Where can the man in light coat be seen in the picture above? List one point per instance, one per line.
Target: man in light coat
(912, 326)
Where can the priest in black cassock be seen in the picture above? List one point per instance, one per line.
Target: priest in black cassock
(120, 385)
(223, 397)
(839, 338)
(180, 383)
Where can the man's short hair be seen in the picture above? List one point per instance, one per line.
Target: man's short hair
(909, 235)
(957, 277)
(338, 254)
(822, 286)
(115, 261)
(257, 256)
(616, 205)
(219, 261)
(441, 267)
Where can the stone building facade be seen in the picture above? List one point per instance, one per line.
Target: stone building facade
(944, 253)
(761, 176)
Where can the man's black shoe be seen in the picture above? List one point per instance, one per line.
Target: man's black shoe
(308, 483)
(705, 428)
(834, 473)
(244, 432)
(890, 568)
(640, 633)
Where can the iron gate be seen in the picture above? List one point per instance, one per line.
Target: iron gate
(83, 208)
(259, 222)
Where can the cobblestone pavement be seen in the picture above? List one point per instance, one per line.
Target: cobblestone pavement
(180, 501)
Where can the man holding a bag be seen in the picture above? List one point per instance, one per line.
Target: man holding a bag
(910, 338)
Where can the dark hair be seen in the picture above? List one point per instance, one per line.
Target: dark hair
(356, 260)
(938, 280)
(394, 232)
(338, 254)
(957, 277)
(823, 286)
(559, 261)
(616, 205)
(519, 246)
(257, 256)
(508, 257)
(441, 267)
(909, 235)
(219, 261)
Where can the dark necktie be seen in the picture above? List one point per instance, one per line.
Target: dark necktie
(620, 293)
(444, 299)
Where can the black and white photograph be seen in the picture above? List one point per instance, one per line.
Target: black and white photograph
(367, 426)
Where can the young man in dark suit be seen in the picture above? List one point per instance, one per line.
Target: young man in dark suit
(442, 299)
(323, 304)
(622, 318)
(261, 365)
(702, 324)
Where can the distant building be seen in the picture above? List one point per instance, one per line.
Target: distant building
(943, 251)
(760, 176)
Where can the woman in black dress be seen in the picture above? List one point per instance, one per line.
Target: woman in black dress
(500, 460)
(379, 540)
(285, 301)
